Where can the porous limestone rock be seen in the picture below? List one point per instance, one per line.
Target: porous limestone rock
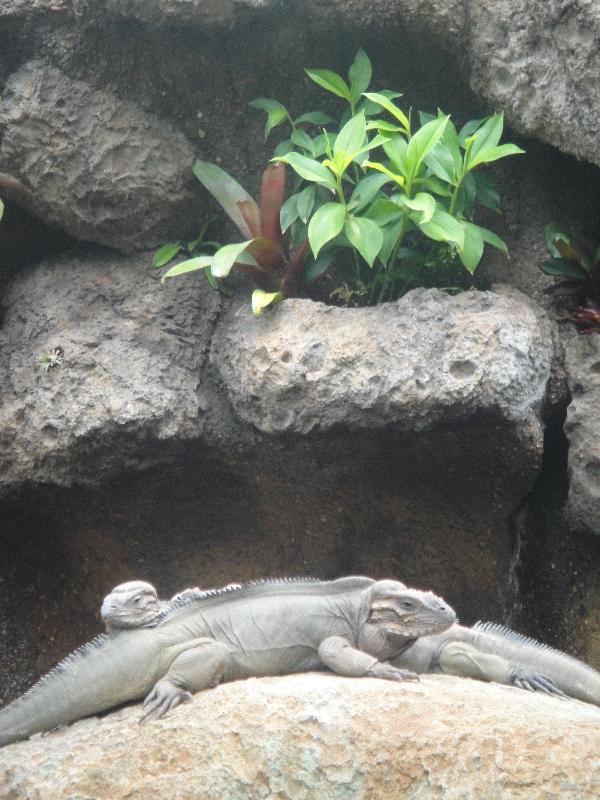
(321, 736)
(425, 358)
(582, 427)
(130, 381)
(102, 169)
(538, 61)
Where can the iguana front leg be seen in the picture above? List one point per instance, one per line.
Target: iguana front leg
(466, 661)
(341, 657)
(199, 666)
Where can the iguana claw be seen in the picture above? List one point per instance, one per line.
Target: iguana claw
(533, 682)
(390, 673)
(164, 697)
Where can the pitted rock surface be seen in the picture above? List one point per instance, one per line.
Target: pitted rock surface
(582, 430)
(103, 170)
(131, 381)
(321, 736)
(426, 358)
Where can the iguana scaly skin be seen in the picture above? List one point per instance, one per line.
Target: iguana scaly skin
(491, 652)
(135, 604)
(353, 626)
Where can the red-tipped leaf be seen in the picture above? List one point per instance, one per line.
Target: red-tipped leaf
(266, 254)
(251, 216)
(272, 192)
(297, 261)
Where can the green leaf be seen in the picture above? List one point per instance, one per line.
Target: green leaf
(443, 228)
(554, 233)
(274, 118)
(289, 212)
(494, 154)
(1, 207)
(365, 235)
(317, 267)
(384, 125)
(227, 191)
(390, 237)
(384, 211)
(224, 259)
(267, 104)
(424, 203)
(563, 267)
(350, 139)
(472, 249)
(370, 108)
(380, 168)
(423, 142)
(283, 148)
(331, 81)
(366, 190)
(489, 237)
(468, 129)
(383, 101)
(306, 202)
(485, 194)
(260, 300)
(360, 74)
(309, 169)
(314, 118)
(164, 254)
(191, 265)
(395, 150)
(325, 224)
(301, 139)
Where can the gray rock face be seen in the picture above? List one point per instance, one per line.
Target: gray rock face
(539, 62)
(428, 357)
(582, 429)
(131, 376)
(103, 170)
(322, 736)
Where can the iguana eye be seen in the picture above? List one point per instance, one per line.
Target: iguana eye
(137, 600)
(406, 604)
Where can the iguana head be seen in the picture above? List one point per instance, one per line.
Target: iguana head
(398, 612)
(130, 605)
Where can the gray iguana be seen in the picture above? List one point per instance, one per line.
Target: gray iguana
(352, 626)
(491, 652)
(487, 652)
(135, 604)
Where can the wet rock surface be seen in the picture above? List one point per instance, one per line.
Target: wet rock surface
(307, 736)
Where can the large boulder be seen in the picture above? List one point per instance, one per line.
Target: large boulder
(308, 736)
(426, 358)
(102, 169)
(130, 382)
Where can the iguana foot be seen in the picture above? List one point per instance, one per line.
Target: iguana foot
(533, 682)
(386, 671)
(164, 697)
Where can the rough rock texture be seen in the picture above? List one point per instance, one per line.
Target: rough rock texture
(103, 169)
(425, 357)
(581, 427)
(538, 61)
(308, 736)
(131, 377)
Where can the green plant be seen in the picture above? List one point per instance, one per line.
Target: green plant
(406, 217)
(272, 261)
(577, 263)
(378, 205)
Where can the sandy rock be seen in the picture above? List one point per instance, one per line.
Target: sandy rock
(309, 736)
(424, 358)
(102, 169)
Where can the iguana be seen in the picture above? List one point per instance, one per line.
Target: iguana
(135, 604)
(352, 626)
(491, 652)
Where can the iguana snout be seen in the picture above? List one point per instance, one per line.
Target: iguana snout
(408, 612)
